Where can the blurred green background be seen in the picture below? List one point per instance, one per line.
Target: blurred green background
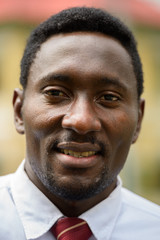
(141, 173)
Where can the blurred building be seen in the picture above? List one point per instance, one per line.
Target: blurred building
(17, 19)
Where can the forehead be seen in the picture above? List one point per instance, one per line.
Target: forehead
(84, 52)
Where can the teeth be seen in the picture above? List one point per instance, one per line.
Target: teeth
(66, 151)
(78, 154)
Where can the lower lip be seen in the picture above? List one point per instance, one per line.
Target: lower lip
(74, 162)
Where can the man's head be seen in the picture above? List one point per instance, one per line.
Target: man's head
(81, 108)
(82, 20)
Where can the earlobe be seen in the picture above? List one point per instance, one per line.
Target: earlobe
(141, 108)
(17, 106)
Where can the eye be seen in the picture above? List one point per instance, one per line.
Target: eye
(55, 93)
(110, 98)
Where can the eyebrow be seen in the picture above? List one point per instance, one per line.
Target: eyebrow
(55, 77)
(104, 81)
(113, 81)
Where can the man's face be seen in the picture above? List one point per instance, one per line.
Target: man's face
(80, 113)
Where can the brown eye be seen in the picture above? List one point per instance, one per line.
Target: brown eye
(55, 93)
(109, 97)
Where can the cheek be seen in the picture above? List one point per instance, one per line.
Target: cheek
(121, 132)
(40, 122)
(42, 119)
(120, 128)
(123, 124)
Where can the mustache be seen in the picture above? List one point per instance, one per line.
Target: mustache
(53, 142)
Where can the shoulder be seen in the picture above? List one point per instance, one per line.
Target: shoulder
(6, 198)
(8, 214)
(141, 215)
(138, 218)
(5, 182)
(5, 191)
(139, 204)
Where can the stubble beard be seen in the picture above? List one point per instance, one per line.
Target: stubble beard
(76, 190)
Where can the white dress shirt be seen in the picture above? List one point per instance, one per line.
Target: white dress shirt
(26, 213)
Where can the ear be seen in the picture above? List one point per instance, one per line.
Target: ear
(141, 107)
(17, 106)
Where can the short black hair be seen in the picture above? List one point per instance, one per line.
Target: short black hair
(87, 20)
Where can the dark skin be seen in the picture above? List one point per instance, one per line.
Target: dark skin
(81, 99)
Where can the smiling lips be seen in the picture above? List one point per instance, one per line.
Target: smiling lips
(78, 154)
(76, 149)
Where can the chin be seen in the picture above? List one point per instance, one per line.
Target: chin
(77, 190)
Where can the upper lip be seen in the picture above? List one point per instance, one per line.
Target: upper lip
(79, 147)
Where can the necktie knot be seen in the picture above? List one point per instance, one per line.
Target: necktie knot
(71, 228)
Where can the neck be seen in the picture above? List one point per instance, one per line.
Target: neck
(76, 208)
(71, 208)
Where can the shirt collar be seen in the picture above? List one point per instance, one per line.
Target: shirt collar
(38, 214)
(102, 217)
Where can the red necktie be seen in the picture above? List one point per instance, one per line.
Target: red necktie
(71, 228)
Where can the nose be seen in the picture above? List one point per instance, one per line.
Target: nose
(81, 118)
